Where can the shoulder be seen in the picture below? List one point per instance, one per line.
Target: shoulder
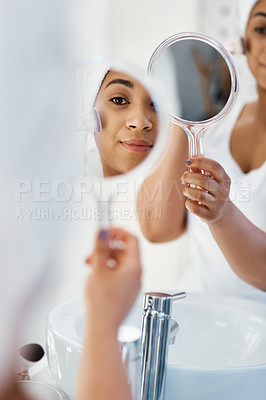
(246, 114)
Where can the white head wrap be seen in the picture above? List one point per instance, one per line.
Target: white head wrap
(245, 8)
(90, 79)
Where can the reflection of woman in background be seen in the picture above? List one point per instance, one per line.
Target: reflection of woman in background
(215, 82)
(196, 68)
(227, 238)
(128, 120)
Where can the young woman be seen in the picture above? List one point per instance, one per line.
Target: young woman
(127, 121)
(224, 213)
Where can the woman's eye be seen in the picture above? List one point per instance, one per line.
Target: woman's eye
(261, 30)
(120, 101)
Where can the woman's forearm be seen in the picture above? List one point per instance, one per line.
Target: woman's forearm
(14, 392)
(161, 194)
(102, 374)
(243, 245)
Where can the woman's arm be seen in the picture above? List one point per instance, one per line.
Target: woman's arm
(162, 192)
(102, 374)
(111, 290)
(242, 243)
(13, 392)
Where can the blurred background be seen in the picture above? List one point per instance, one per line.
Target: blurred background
(132, 30)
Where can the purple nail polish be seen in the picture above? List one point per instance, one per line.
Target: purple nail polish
(188, 162)
(103, 234)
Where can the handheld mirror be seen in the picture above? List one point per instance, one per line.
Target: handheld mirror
(122, 123)
(200, 79)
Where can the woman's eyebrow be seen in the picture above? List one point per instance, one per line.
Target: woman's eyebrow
(260, 14)
(121, 82)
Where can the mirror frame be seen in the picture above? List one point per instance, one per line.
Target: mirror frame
(229, 61)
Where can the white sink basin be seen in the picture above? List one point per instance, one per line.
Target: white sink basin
(219, 352)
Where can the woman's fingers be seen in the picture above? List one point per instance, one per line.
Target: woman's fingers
(214, 181)
(198, 209)
(101, 252)
(198, 195)
(207, 193)
(207, 164)
(127, 248)
(113, 244)
(205, 182)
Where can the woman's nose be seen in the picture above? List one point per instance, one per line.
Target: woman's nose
(139, 120)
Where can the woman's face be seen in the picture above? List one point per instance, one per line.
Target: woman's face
(256, 43)
(129, 123)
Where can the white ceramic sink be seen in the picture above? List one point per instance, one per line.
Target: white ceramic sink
(219, 352)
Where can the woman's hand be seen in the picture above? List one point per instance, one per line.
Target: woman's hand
(209, 199)
(115, 278)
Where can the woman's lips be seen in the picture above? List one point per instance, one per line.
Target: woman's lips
(136, 145)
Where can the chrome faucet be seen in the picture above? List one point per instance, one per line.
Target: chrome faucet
(158, 331)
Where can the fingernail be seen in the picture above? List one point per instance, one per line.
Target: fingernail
(111, 263)
(188, 162)
(104, 234)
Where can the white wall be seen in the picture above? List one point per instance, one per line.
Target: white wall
(135, 28)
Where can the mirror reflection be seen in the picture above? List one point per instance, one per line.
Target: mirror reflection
(121, 121)
(196, 77)
(129, 123)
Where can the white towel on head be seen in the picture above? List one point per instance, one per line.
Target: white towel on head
(245, 8)
(93, 77)
(90, 79)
